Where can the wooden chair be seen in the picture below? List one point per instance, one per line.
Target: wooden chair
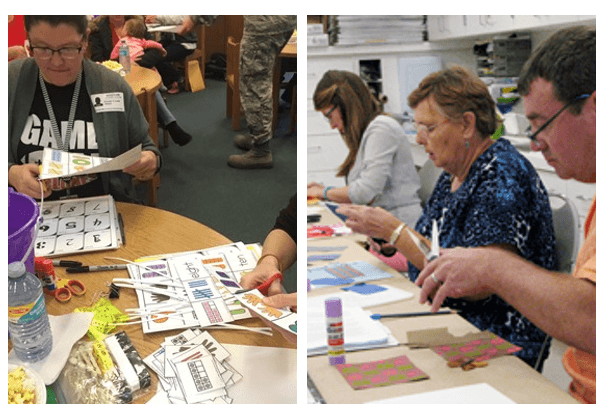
(147, 101)
(233, 99)
(197, 55)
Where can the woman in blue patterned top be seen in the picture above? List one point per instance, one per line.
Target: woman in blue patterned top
(488, 195)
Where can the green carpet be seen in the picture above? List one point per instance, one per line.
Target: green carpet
(196, 181)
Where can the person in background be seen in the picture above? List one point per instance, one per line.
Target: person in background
(178, 48)
(558, 88)
(106, 31)
(379, 168)
(57, 87)
(16, 37)
(278, 254)
(263, 39)
(489, 195)
(132, 33)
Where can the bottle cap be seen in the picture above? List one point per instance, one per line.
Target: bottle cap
(49, 269)
(16, 270)
(333, 307)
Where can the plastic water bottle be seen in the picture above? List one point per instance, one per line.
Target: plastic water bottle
(124, 58)
(28, 321)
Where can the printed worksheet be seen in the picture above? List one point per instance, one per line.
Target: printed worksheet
(58, 164)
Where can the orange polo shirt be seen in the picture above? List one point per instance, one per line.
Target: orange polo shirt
(579, 364)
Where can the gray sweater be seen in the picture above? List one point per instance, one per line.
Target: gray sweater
(116, 132)
(384, 171)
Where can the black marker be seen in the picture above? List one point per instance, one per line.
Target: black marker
(79, 269)
(68, 264)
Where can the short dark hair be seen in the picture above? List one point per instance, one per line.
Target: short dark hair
(80, 23)
(567, 60)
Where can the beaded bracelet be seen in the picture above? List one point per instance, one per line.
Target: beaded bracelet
(325, 190)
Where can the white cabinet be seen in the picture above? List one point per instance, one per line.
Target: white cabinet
(486, 24)
(446, 27)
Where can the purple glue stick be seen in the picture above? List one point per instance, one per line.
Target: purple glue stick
(335, 331)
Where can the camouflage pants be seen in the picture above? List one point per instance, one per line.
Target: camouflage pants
(257, 60)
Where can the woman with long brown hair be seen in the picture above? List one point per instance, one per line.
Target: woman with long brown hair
(379, 169)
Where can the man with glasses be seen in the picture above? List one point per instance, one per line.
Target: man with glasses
(558, 89)
(52, 98)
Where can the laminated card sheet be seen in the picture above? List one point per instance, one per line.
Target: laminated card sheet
(77, 226)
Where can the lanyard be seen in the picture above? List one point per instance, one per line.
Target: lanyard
(63, 145)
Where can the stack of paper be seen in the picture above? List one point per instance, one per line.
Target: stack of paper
(360, 331)
(358, 30)
(193, 367)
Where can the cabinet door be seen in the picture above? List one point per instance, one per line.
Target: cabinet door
(522, 22)
(489, 24)
(446, 27)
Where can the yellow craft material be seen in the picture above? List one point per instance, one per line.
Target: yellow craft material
(106, 315)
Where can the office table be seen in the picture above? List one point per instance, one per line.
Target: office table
(152, 231)
(507, 374)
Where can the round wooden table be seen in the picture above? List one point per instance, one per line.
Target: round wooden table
(152, 231)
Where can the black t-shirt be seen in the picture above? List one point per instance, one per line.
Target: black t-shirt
(38, 134)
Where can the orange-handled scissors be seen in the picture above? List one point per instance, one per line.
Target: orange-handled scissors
(74, 286)
(263, 288)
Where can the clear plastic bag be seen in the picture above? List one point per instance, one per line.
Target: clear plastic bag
(109, 371)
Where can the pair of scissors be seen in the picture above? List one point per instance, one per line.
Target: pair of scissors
(263, 288)
(429, 253)
(73, 286)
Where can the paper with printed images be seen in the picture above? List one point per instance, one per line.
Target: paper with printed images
(193, 367)
(58, 164)
(381, 373)
(286, 319)
(208, 278)
(77, 226)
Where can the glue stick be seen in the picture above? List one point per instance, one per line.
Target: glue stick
(335, 331)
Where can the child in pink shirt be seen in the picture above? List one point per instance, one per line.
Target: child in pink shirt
(133, 35)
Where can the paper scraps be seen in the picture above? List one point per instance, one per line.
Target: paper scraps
(317, 231)
(365, 289)
(349, 272)
(381, 373)
(193, 367)
(283, 318)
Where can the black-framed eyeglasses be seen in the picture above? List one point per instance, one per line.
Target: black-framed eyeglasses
(552, 118)
(328, 114)
(45, 53)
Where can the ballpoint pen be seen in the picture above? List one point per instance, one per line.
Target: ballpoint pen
(263, 288)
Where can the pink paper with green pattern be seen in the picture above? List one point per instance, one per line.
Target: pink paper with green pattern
(381, 373)
(480, 350)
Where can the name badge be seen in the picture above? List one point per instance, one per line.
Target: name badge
(108, 102)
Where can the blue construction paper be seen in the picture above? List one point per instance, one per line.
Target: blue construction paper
(331, 281)
(363, 271)
(327, 257)
(365, 289)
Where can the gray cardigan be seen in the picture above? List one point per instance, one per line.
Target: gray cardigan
(384, 171)
(116, 132)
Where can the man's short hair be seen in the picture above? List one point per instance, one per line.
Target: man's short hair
(567, 60)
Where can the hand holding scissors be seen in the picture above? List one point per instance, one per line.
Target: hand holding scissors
(263, 288)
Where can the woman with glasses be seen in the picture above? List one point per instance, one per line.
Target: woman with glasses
(379, 168)
(489, 195)
(50, 105)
